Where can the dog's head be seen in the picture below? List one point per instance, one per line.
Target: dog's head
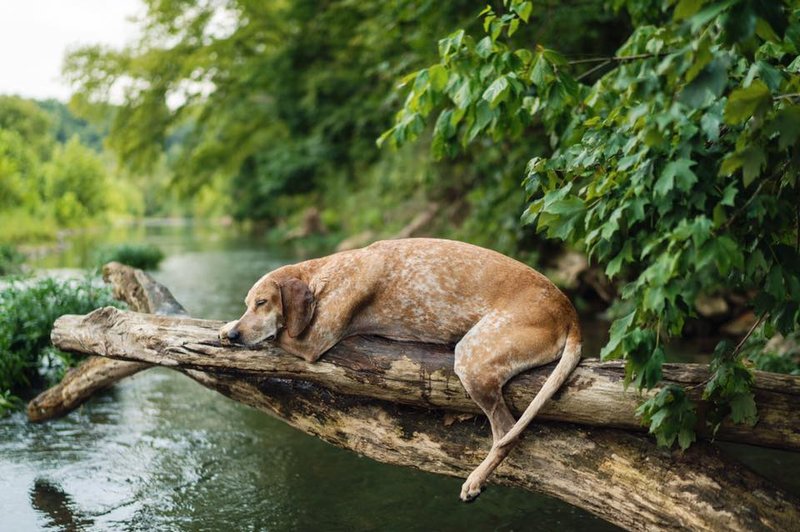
(272, 306)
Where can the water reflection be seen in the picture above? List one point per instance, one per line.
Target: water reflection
(56, 507)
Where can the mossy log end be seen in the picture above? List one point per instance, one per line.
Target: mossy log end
(399, 404)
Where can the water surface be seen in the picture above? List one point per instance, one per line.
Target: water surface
(159, 451)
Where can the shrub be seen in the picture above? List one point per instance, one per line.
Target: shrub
(27, 311)
(10, 260)
(143, 256)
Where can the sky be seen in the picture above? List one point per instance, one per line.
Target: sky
(35, 34)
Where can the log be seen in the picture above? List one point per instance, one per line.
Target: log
(416, 374)
(620, 476)
(142, 293)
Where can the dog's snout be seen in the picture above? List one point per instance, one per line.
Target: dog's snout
(234, 334)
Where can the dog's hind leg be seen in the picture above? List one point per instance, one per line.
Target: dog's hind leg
(490, 354)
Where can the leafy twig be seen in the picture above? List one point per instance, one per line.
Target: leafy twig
(788, 96)
(617, 58)
(749, 333)
(593, 70)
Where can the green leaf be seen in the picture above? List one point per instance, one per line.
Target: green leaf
(463, 96)
(739, 23)
(687, 8)
(664, 184)
(731, 163)
(743, 409)
(483, 115)
(710, 123)
(571, 205)
(451, 43)
(709, 13)
(787, 125)
(438, 76)
(624, 256)
(541, 72)
(616, 334)
(524, 10)
(753, 159)
(553, 57)
(729, 194)
(676, 173)
(685, 437)
(496, 92)
(745, 103)
(709, 83)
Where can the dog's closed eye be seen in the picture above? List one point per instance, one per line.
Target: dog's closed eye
(260, 302)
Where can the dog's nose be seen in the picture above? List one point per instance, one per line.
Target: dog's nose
(233, 334)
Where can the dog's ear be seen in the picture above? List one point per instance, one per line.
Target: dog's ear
(298, 306)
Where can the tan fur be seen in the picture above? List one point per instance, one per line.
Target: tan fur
(502, 316)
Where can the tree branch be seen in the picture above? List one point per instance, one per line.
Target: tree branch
(416, 374)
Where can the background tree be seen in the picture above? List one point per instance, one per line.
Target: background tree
(77, 183)
(275, 107)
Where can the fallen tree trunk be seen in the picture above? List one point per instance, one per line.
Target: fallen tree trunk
(619, 476)
(415, 374)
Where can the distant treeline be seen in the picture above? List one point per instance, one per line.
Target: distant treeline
(56, 173)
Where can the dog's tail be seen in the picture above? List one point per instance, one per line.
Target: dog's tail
(570, 358)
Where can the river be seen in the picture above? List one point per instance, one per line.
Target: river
(160, 452)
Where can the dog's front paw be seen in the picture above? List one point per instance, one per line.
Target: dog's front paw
(471, 488)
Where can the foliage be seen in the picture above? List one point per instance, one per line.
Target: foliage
(65, 125)
(286, 97)
(49, 180)
(670, 415)
(673, 162)
(10, 260)
(28, 309)
(278, 108)
(143, 256)
(18, 164)
(29, 121)
(76, 183)
(777, 353)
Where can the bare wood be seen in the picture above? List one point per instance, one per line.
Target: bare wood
(415, 374)
(143, 294)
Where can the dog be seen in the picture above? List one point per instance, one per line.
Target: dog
(502, 316)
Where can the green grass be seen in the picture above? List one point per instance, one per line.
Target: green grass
(142, 256)
(28, 309)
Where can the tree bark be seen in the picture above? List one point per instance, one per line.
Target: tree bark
(375, 397)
